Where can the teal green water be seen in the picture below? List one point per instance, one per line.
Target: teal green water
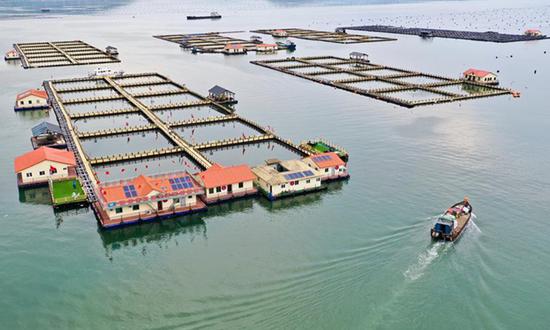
(355, 257)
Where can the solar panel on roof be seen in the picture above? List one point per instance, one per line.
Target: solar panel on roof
(130, 191)
(307, 173)
(287, 176)
(298, 175)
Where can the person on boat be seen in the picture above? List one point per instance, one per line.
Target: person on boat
(466, 208)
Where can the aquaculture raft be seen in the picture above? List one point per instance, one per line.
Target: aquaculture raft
(398, 86)
(61, 53)
(212, 42)
(335, 37)
(121, 89)
(489, 36)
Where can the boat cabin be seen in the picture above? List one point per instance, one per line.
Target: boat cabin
(340, 30)
(220, 94)
(223, 183)
(37, 167)
(266, 47)
(11, 55)
(533, 33)
(426, 34)
(445, 224)
(32, 99)
(329, 165)
(234, 49)
(284, 178)
(480, 76)
(147, 198)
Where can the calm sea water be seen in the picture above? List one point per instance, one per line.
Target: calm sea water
(356, 257)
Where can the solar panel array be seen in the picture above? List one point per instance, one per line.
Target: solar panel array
(181, 183)
(322, 158)
(298, 175)
(130, 191)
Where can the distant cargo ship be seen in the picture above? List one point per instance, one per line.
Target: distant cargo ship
(213, 15)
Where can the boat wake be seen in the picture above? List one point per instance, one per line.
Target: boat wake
(425, 259)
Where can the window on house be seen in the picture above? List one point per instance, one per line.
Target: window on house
(296, 182)
(28, 175)
(218, 189)
(30, 101)
(22, 102)
(53, 170)
(308, 181)
(190, 196)
(318, 179)
(135, 207)
(241, 184)
(41, 172)
(176, 200)
(283, 186)
(118, 210)
(211, 190)
(326, 170)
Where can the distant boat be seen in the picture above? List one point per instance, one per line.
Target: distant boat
(452, 223)
(111, 50)
(45, 10)
(213, 15)
(103, 72)
(287, 45)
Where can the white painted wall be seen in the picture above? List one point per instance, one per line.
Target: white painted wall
(62, 172)
(31, 101)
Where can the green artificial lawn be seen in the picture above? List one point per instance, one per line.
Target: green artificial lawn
(64, 193)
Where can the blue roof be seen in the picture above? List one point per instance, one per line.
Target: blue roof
(44, 128)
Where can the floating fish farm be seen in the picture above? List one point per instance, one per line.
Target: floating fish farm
(335, 37)
(489, 36)
(61, 53)
(398, 86)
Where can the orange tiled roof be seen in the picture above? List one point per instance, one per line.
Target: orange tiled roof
(478, 73)
(41, 154)
(327, 159)
(34, 92)
(144, 186)
(217, 175)
(266, 45)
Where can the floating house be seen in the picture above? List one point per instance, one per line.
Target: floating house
(359, 57)
(148, 197)
(47, 135)
(11, 55)
(280, 34)
(220, 94)
(480, 76)
(329, 164)
(39, 166)
(222, 183)
(31, 99)
(533, 33)
(279, 179)
(266, 48)
(111, 50)
(234, 49)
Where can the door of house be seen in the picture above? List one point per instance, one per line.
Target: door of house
(229, 188)
(159, 205)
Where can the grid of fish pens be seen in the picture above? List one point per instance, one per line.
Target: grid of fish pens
(327, 36)
(398, 86)
(111, 120)
(212, 42)
(61, 53)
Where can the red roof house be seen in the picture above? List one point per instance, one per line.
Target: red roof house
(38, 166)
(227, 182)
(39, 155)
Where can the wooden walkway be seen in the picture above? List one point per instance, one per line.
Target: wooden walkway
(326, 36)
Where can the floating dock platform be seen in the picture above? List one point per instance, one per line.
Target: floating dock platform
(136, 90)
(398, 86)
(61, 53)
(488, 36)
(326, 36)
(211, 42)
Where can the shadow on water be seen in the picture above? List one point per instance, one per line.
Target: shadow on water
(32, 115)
(36, 196)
